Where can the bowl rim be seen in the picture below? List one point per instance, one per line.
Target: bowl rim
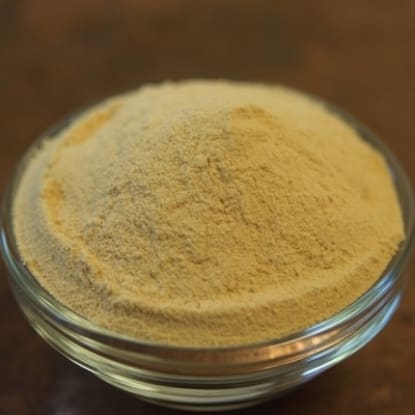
(30, 285)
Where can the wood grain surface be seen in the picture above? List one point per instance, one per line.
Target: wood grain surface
(56, 56)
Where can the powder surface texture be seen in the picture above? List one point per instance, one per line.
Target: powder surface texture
(207, 213)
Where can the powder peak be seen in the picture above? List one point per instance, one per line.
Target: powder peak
(178, 209)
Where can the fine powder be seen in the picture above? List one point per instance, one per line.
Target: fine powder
(207, 213)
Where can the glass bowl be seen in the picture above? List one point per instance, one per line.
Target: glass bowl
(211, 378)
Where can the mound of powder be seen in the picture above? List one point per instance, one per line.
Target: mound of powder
(207, 213)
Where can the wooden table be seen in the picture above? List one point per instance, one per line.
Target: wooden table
(56, 56)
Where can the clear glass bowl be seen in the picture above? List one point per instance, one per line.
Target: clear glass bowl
(211, 378)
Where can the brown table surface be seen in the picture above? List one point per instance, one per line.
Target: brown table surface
(58, 55)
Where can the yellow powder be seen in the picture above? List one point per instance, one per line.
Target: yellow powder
(207, 213)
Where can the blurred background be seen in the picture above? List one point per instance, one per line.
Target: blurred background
(57, 56)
